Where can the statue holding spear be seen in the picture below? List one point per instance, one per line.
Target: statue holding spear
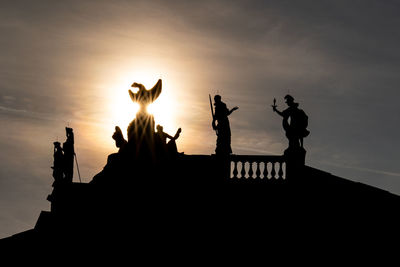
(221, 125)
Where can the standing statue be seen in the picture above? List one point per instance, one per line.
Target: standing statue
(142, 127)
(120, 141)
(221, 125)
(58, 163)
(295, 122)
(69, 153)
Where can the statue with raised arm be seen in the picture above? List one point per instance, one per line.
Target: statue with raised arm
(144, 97)
(295, 122)
(142, 127)
(161, 137)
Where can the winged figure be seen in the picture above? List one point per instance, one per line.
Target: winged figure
(144, 96)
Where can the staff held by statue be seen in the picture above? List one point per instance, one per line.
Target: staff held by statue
(274, 105)
(214, 126)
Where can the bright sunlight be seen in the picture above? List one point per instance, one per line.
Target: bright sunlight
(123, 110)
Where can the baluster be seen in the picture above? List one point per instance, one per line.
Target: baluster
(265, 172)
(273, 172)
(251, 169)
(280, 171)
(243, 171)
(255, 170)
(258, 172)
(239, 168)
(235, 171)
(284, 170)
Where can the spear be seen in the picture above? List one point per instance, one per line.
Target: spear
(212, 114)
(77, 167)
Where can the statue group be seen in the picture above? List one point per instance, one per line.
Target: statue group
(143, 141)
(295, 122)
(63, 166)
(146, 148)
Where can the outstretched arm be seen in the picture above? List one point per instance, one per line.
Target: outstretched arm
(277, 111)
(173, 137)
(168, 136)
(232, 110)
(177, 134)
(138, 85)
(135, 96)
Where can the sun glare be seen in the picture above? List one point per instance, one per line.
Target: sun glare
(123, 110)
(163, 112)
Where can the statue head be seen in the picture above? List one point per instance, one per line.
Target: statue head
(57, 146)
(217, 98)
(159, 128)
(289, 100)
(118, 137)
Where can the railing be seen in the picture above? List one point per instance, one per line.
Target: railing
(258, 167)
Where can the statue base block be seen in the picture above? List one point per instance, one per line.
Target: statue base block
(295, 160)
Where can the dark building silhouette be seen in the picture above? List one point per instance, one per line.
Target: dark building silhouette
(145, 207)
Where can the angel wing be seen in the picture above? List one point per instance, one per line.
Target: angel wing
(146, 96)
(156, 90)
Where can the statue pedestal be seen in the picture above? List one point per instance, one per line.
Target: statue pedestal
(295, 160)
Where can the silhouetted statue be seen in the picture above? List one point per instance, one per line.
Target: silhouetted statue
(120, 141)
(169, 147)
(69, 153)
(138, 155)
(141, 129)
(143, 96)
(114, 159)
(221, 125)
(296, 129)
(58, 163)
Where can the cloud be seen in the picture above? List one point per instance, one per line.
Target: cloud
(12, 110)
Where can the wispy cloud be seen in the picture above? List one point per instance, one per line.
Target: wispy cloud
(12, 110)
(362, 169)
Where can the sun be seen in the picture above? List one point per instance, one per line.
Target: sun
(163, 111)
(123, 109)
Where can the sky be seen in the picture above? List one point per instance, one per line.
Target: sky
(71, 63)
